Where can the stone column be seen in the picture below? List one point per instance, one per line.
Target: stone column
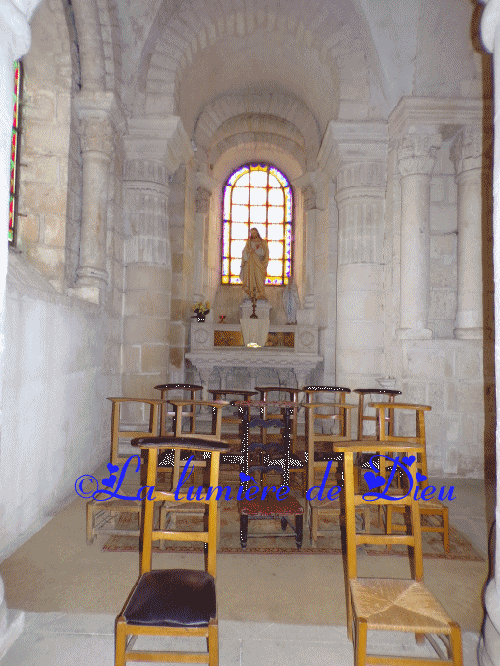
(202, 208)
(489, 648)
(154, 151)
(466, 154)
(416, 159)
(96, 111)
(360, 323)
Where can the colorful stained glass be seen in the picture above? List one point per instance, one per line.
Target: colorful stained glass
(14, 152)
(257, 195)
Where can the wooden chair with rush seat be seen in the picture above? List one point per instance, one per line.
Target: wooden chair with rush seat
(102, 516)
(172, 602)
(427, 507)
(170, 510)
(389, 604)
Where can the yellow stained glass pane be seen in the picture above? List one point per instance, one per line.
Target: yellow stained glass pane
(275, 251)
(243, 180)
(258, 196)
(275, 215)
(258, 178)
(235, 266)
(276, 197)
(240, 195)
(273, 181)
(239, 231)
(239, 213)
(257, 214)
(274, 268)
(275, 232)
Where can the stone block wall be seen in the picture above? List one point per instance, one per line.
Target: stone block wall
(57, 418)
(448, 375)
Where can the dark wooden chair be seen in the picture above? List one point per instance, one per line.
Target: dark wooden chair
(172, 602)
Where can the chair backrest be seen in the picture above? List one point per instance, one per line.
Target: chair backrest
(417, 438)
(183, 407)
(209, 536)
(173, 391)
(335, 393)
(318, 413)
(153, 406)
(363, 416)
(353, 498)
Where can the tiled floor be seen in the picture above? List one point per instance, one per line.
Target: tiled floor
(61, 639)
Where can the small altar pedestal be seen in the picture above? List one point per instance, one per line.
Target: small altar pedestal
(262, 308)
(255, 332)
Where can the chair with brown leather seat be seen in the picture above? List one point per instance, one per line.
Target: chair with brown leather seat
(168, 603)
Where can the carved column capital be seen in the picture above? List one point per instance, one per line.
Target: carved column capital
(417, 154)
(468, 148)
(145, 171)
(97, 136)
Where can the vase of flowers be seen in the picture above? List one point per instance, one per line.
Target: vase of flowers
(201, 310)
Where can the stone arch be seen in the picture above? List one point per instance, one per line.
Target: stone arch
(323, 41)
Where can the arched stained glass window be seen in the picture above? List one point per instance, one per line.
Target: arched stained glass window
(257, 195)
(14, 150)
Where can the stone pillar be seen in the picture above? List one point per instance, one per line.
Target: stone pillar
(489, 648)
(466, 154)
(154, 151)
(148, 279)
(14, 43)
(416, 159)
(360, 322)
(201, 225)
(95, 111)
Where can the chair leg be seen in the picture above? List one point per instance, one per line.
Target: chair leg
(120, 642)
(446, 530)
(213, 643)
(243, 531)
(360, 640)
(299, 530)
(90, 524)
(314, 525)
(388, 523)
(456, 645)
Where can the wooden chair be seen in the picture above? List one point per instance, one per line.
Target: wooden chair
(103, 516)
(297, 464)
(231, 420)
(389, 604)
(338, 413)
(363, 416)
(172, 602)
(166, 390)
(170, 510)
(430, 507)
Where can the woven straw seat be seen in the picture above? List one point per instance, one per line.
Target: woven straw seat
(393, 605)
(389, 604)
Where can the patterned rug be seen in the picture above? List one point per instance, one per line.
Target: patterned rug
(460, 547)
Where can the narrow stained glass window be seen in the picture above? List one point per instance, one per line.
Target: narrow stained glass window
(14, 153)
(257, 195)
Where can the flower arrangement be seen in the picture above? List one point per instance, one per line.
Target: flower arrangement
(200, 310)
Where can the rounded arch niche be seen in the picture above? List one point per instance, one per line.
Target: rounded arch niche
(226, 298)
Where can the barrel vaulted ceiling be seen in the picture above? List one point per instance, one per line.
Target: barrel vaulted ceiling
(273, 66)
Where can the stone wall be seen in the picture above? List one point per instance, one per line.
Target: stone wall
(56, 415)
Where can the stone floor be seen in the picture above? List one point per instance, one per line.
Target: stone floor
(61, 639)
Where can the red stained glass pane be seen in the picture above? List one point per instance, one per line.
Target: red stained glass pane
(13, 154)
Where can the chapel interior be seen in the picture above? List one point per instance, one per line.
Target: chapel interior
(133, 116)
